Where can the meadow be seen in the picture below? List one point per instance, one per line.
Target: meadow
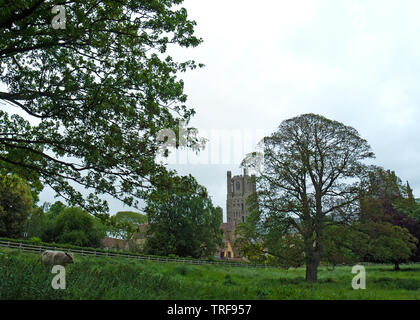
(22, 276)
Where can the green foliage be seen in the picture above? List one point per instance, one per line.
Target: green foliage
(32, 179)
(369, 241)
(283, 250)
(409, 207)
(286, 251)
(36, 223)
(249, 235)
(388, 200)
(269, 241)
(125, 223)
(183, 221)
(76, 226)
(385, 184)
(65, 225)
(344, 244)
(16, 204)
(35, 241)
(98, 92)
(388, 243)
(385, 188)
(55, 209)
(43, 223)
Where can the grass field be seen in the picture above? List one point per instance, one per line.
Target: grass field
(23, 277)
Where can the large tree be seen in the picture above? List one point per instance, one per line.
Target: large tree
(15, 205)
(183, 221)
(311, 179)
(388, 243)
(95, 92)
(388, 200)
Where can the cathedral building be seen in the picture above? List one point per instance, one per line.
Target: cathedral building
(239, 188)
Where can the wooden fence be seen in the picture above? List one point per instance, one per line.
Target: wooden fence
(39, 249)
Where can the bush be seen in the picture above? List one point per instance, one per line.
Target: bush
(35, 240)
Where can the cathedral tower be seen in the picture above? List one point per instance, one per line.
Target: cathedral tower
(238, 190)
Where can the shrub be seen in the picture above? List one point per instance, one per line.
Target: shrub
(35, 240)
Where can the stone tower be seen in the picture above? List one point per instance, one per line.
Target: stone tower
(238, 190)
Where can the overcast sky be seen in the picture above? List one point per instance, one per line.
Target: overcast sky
(357, 62)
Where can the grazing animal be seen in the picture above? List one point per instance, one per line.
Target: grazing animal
(57, 258)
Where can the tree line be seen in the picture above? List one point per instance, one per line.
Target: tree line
(179, 221)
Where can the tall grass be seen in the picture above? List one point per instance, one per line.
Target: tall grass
(22, 276)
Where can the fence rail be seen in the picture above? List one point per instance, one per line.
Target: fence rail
(34, 248)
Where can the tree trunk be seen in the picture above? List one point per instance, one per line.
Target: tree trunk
(312, 263)
(397, 266)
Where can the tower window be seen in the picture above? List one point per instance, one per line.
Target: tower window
(238, 186)
(243, 219)
(242, 207)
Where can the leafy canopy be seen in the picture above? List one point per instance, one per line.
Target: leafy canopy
(77, 227)
(96, 94)
(16, 205)
(183, 221)
(125, 223)
(388, 200)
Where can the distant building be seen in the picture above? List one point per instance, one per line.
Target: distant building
(138, 240)
(135, 243)
(239, 188)
(114, 244)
